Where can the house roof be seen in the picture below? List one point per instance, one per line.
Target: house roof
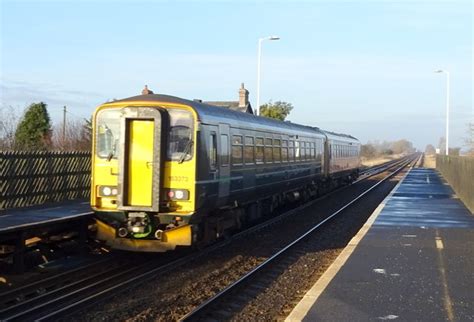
(233, 105)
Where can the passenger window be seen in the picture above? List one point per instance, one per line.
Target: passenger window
(236, 139)
(236, 149)
(276, 150)
(308, 150)
(259, 150)
(302, 150)
(268, 151)
(212, 151)
(248, 150)
(224, 149)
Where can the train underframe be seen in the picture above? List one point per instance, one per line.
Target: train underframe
(208, 225)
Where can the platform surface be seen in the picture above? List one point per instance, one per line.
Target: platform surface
(21, 218)
(415, 263)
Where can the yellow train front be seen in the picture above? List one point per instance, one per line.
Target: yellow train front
(170, 172)
(143, 173)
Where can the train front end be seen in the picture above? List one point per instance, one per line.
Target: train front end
(143, 174)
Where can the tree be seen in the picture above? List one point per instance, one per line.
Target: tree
(278, 110)
(430, 150)
(367, 150)
(402, 146)
(34, 130)
(8, 124)
(77, 136)
(454, 151)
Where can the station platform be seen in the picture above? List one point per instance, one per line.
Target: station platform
(12, 220)
(20, 224)
(412, 261)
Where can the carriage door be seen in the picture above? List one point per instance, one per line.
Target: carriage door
(224, 160)
(139, 164)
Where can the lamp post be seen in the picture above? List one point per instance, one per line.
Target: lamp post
(260, 40)
(447, 107)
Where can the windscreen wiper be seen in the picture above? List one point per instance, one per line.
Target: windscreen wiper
(185, 151)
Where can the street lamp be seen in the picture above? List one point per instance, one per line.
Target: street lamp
(260, 40)
(447, 108)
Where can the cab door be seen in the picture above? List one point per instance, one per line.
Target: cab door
(140, 159)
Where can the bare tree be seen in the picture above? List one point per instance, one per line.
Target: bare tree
(8, 123)
(77, 136)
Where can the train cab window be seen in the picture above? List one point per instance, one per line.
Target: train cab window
(180, 137)
(291, 151)
(276, 150)
(236, 149)
(212, 152)
(248, 150)
(268, 151)
(108, 133)
(224, 150)
(284, 151)
(259, 150)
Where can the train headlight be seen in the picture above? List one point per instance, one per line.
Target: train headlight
(178, 194)
(108, 191)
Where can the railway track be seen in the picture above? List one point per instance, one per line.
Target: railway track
(223, 304)
(71, 291)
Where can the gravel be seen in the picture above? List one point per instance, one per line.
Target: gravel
(169, 297)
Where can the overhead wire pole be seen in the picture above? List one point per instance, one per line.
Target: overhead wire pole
(447, 108)
(259, 56)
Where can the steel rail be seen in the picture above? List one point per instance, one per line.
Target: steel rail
(34, 289)
(105, 292)
(232, 286)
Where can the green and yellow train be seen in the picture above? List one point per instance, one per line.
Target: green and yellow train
(170, 172)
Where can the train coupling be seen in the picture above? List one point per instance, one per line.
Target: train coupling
(137, 223)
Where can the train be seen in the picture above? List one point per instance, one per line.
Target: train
(170, 172)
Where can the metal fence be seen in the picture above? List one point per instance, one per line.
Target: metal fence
(33, 178)
(459, 172)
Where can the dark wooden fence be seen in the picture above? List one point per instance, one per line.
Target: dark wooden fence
(33, 178)
(459, 172)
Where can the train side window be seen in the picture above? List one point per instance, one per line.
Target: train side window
(212, 151)
(248, 150)
(313, 150)
(268, 150)
(308, 151)
(291, 151)
(259, 150)
(284, 151)
(297, 151)
(276, 150)
(237, 149)
(224, 149)
(302, 151)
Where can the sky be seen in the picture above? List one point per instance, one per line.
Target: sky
(359, 67)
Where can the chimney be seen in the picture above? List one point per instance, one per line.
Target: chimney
(147, 91)
(243, 96)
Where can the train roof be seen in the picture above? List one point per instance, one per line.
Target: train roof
(208, 113)
(340, 136)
